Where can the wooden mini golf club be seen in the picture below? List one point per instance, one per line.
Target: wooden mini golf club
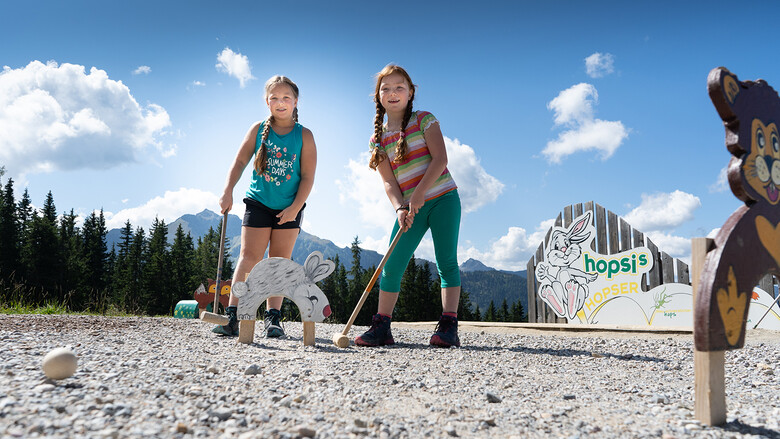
(340, 339)
(214, 317)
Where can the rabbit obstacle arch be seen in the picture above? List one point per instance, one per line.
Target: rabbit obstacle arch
(286, 278)
(613, 235)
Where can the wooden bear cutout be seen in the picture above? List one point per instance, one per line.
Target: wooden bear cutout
(205, 296)
(747, 247)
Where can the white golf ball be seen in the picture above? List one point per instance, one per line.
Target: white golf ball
(59, 364)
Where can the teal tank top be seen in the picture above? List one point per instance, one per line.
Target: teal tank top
(277, 186)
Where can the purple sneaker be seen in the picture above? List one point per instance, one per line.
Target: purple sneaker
(378, 335)
(446, 333)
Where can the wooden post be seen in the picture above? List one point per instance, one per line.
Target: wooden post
(709, 367)
(308, 333)
(246, 331)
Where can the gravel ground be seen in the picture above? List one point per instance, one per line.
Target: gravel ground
(165, 377)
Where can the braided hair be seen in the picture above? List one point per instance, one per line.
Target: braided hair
(378, 154)
(261, 159)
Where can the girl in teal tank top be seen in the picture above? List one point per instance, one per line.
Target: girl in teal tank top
(284, 158)
(278, 185)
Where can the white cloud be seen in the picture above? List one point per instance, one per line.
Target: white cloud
(169, 207)
(674, 246)
(511, 251)
(235, 65)
(476, 187)
(599, 64)
(600, 135)
(363, 187)
(198, 84)
(722, 183)
(663, 211)
(60, 117)
(575, 104)
(573, 109)
(142, 70)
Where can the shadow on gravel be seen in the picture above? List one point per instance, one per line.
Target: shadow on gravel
(567, 353)
(522, 350)
(738, 427)
(293, 344)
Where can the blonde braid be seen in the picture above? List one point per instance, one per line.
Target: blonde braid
(402, 144)
(261, 158)
(378, 154)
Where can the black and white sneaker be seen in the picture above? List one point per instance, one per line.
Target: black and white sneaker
(273, 324)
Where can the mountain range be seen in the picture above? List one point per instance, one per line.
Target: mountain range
(484, 284)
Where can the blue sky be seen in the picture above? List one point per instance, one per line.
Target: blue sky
(139, 107)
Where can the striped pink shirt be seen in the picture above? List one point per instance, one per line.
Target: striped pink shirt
(411, 170)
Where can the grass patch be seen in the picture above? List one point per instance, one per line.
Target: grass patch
(51, 308)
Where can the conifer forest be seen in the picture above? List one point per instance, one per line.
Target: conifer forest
(48, 258)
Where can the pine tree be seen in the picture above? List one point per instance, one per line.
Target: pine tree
(227, 263)
(182, 254)
(95, 255)
(355, 284)
(430, 290)
(10, 241)
(504, 315)
(72, 268)
(41, 253)
(25, 214)
(491, 314)
(328, 287)
(465, 312)
(517, 313)
(121, 278)
(344, 307)
(136, 262)
(157, 292)
(411, 297)
(206, 255)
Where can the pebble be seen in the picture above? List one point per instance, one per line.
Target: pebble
(492, 397)
(165, 377)
(252, 370)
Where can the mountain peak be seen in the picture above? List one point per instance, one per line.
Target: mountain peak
(207, 214)
(474, 265)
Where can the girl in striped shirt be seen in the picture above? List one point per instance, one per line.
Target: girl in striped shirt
(409, 153)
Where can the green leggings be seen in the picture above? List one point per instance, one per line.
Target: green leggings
(442, 216)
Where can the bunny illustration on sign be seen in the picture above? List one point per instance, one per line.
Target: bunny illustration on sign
(562, 286)
(283, 277)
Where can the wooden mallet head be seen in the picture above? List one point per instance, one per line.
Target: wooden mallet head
(217, 319)
(340, 340)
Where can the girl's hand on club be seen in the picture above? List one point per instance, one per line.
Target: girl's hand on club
(405, 220)
(416, 202)
(226, 202)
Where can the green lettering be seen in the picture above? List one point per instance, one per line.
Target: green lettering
(614, 268)
(590, 264)
(625, 265)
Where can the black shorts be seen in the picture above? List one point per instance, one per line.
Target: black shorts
(258, 214)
